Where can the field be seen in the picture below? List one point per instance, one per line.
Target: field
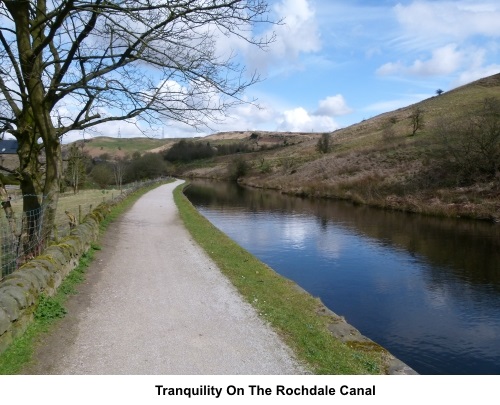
(77, 204)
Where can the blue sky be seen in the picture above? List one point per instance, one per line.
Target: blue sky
(335, 63)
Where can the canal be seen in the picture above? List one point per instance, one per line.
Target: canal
(427, 289)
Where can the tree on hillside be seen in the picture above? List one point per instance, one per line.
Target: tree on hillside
(186, 151)
(76, 166)
(119, 167)
(324, 144)
(102, 174)
(71, 65)
(417, 120)
(148, 166)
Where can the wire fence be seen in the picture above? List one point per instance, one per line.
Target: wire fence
(23, 234)
(22, 238)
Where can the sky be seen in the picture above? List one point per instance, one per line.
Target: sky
(336, 63)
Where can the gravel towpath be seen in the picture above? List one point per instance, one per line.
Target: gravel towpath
(154, 303)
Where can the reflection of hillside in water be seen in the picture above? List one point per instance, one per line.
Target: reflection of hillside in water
(466, 251)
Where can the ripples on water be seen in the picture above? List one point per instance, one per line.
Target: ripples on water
(428, 290)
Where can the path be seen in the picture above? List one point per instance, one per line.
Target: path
(154, 303)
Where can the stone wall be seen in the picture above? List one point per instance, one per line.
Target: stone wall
(21, 290)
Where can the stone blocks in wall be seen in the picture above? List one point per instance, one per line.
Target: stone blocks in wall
(21, 290)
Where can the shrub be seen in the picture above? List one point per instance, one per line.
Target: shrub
(148, 166)
(324, 144)
(102, 174)
(417, 120)
(238, 168)
(470, 145)
(186, 151)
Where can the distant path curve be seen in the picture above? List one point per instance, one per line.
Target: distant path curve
(154, 303)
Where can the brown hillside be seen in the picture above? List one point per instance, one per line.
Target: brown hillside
(379, 162)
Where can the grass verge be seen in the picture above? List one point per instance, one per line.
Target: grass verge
(51, 309)
(294, 314)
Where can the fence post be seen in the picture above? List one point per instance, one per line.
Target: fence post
(9, 212)
(56, 234)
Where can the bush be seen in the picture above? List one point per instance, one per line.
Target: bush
(238, 168)
(417, 120)
(470, 145)
(186, 151)
(233, 148)
(102, 174)
(149, 166)
(324, 144)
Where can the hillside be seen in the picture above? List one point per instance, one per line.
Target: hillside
(391, 160)
(121, 147)
(379, 162)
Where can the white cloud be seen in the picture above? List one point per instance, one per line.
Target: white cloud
(272, 114)
(449, 19)
(249, 117)
(113, 129)
(454, 39)
(477, 67)
(333, 106)
(298, 34)
(445, 60)
(476, 74)
(391, 105)
(299, 120)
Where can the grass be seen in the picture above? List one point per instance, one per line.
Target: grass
(48, 311)
(294, 314)
(51, 309)
(77, 204)
(112, 145)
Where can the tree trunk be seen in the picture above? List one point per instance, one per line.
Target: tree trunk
(29, 176)
(36, 120)
(53, 175)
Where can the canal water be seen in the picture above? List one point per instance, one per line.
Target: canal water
(427, 289)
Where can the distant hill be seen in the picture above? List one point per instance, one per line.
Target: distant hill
(383, 161)
(121, 147)
(452, 103)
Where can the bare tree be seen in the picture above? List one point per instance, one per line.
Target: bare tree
(70, 65)
(119, 166)
(75, 171)
(417, 120)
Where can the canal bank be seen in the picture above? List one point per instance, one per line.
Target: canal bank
(154, 303)
(425, 288)
(317, 335)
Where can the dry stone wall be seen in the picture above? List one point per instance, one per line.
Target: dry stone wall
(21, 290)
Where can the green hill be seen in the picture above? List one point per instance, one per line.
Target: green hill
(385, 162)
(121, 147)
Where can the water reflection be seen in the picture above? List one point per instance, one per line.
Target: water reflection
(428, 289)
